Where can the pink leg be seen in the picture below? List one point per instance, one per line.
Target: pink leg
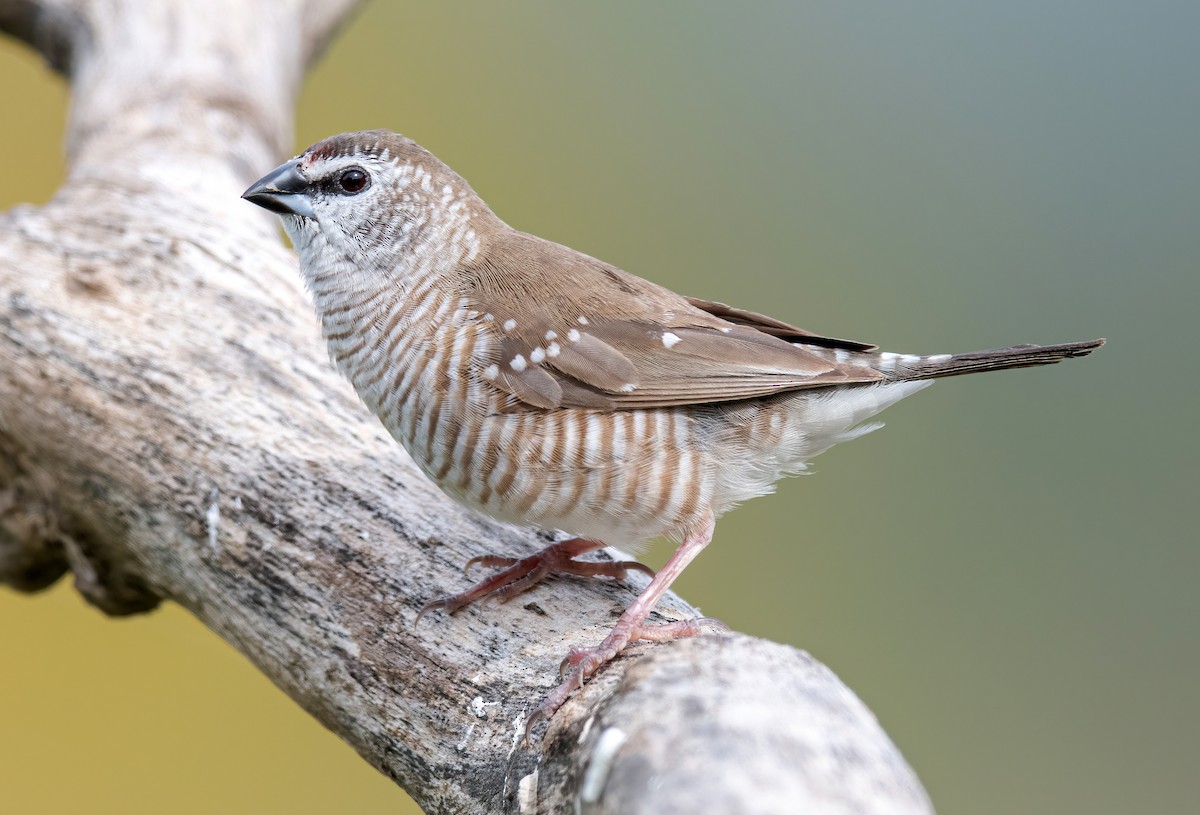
(521, 575)
(582, 663)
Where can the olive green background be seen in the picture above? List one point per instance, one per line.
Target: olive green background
(1006, 574)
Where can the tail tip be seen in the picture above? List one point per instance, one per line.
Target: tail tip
(1082, 349)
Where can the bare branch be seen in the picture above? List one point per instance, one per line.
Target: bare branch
(170, 429)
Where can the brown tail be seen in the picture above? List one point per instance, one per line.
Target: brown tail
(903, 366)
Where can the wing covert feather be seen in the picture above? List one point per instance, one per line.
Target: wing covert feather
(572, 331)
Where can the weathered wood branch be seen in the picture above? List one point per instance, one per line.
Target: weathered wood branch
(170, 429)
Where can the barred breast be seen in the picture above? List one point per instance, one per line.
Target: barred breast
(622, 477)
(415, 357)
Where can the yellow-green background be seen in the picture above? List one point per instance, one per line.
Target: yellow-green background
(1006, 575)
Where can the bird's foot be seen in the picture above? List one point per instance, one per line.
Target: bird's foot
(519, 575)
(581, 664)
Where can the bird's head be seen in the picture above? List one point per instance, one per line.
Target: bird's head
(373, 199)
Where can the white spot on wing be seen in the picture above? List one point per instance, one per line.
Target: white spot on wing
(510, 324)
(670, 340)
(491, 372)
(583, 320)
(551, 335)
(553, 350)
(573, 335)
(537, 355)
(841, 355)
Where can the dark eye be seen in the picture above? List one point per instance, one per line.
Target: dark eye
(353, 180)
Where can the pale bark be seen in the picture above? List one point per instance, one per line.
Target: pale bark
(170, 428)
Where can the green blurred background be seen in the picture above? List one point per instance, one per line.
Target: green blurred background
(1006, 575)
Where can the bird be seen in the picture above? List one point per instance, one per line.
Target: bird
(546, 388)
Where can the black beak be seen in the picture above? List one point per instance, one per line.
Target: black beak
(282, 191)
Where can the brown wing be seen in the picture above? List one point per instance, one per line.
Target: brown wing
(571, 331)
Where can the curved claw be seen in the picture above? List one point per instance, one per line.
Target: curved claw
(489, 561)
(582, 661)
(568, 662)
(531, 720)
(553, 702)
(444, 603)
